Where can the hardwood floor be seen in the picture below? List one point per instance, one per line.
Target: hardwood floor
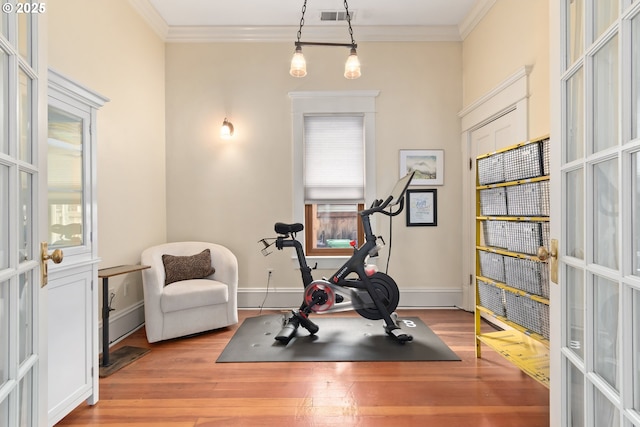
(178, 384)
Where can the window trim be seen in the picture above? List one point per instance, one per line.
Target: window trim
(331, 102)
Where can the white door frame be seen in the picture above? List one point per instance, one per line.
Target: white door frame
(75, 280)
(510, 95)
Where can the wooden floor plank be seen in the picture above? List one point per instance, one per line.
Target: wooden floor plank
(178, 384)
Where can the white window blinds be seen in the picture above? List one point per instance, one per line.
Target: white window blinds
(334, 159)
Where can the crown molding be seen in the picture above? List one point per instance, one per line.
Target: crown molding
(315, 33)
(480, 9)
(151, 16)
(334, 33)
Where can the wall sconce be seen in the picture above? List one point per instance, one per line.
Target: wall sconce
(226, 131)
(298, 63)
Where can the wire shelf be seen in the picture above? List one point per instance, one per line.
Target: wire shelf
(527, 275)
(492, 266)
(530, 199)
(530, 314)
(493, 201)
(491, 169)
(492, 298)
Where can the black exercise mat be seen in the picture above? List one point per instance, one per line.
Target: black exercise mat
(340, 339)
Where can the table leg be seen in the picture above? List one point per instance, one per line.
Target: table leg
(105, 321)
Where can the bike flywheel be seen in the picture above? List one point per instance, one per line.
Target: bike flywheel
(387, 291)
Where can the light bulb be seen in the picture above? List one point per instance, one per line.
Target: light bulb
(298, 64)
(352, 66)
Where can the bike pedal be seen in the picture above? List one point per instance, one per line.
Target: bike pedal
(400, 336)
(286, 333)
(306, 323)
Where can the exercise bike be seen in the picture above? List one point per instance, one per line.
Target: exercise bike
(374, 295)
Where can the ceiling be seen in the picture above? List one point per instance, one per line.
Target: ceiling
(278, 20)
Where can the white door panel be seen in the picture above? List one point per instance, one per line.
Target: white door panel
(70, 345)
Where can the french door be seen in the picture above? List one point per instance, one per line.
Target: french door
(596, 316)
(22, 340)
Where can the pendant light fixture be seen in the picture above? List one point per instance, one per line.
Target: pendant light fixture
(298, 63)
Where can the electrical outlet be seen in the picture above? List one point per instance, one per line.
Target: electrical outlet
(270, 271)
(112, 293)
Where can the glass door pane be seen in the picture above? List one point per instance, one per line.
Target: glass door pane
(605, 330)
(636, 349)
(574, 205)
(605, 213)
(4, 217)
(26, 220)
(4, 101)
(605, 94)
(604, 12)
(605, 413)
(575, 30)
(24, 116)
(65, 158)
(635, 77)
(24, 33)
(635, 213)
(575, 412)
(4, 412)
(575, 311)
(4, 24)
(575, 117)
(25, 325)
(4, 332)
(25, 403)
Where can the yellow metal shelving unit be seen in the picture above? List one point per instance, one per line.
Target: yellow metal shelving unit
(524, 343)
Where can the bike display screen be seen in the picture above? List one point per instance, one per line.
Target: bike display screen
(400, 188)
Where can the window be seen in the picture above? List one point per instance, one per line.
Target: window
(334, 168)
(333, 183)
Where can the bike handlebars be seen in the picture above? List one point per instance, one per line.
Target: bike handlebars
(397, 197)
(379, 205)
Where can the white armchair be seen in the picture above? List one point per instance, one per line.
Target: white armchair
(189, 306)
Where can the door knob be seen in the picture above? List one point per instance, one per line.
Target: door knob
(552, 256)
(544, 254)
(56, 256)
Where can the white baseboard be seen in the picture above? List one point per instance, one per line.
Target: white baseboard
(123, 322)
(289, 298)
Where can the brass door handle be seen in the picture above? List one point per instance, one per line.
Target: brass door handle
(552, 256)
(544, 254)
(56, 256)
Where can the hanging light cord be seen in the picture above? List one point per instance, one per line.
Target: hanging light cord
(346, 8)
(304, 9)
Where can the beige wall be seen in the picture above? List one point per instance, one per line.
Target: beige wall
(513, 34)
(108, 48)
(232, 192)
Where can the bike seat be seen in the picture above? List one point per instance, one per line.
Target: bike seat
(282, 228)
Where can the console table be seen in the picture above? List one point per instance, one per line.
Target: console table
(124, 355)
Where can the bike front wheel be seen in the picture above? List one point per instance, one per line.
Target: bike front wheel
(386, 291)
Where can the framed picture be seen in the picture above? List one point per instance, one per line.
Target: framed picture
(428, 164)
(422, 207)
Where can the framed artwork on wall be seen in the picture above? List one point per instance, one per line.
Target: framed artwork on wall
(422, 207)
(428, 164)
